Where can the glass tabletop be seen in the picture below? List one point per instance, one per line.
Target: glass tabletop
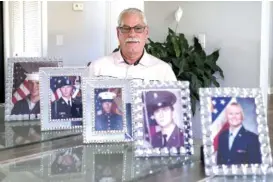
(19, 133)
(100, 163)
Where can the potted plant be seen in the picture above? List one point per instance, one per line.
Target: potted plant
(189, 62)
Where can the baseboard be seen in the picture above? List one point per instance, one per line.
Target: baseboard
(270, 90)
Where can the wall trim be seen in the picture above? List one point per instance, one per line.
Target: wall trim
(270, 90)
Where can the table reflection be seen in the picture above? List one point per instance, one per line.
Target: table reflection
(67, 161)
(25, 132)
(108, 167)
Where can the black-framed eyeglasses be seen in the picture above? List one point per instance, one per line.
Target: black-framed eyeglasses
(137, 29)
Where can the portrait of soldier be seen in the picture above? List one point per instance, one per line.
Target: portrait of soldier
(66, 106)
(25, 90)
(31, 103)
(236, 144)
(160, 111)
(107, 119)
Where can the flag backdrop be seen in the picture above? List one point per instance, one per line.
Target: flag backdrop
(20, 83)
(55, 88)
(219, 122)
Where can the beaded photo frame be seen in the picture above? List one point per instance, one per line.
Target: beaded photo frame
(235, 131)
(61, 98)
(106, 110)
(162, 117)
(22, 99)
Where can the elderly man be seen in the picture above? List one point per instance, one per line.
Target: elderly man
(132, 61)
(66, 107)
(108, 120)
(160, 106)
(236, 144)
(31, 103)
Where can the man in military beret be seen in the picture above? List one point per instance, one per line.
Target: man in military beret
(108, 120)
(159, 106)
(66, 107)
(31, 103)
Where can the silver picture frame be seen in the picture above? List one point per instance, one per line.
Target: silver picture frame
(150, 98)
(21, 73)
(109, 162)
(235, 131)
(106, 110)
(61, 97)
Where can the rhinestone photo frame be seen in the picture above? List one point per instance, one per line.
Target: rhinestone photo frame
(15, 85)
(218, 106)
(145, 133)
(120, 156)
(93, 111)
(54, 109)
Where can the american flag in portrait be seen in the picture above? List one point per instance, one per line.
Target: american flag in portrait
(20, 83)
(55, 86)
(98, 107)
(219, 122)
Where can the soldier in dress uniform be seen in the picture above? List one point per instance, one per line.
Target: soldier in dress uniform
(31, 103)
(159, 106)
(108, 120)
(66, 107)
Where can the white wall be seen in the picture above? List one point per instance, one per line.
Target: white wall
(234, 27)
(83, 31)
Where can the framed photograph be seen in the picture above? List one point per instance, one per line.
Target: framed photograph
(22, 133)
(65, 162)
(107, 110)
(109, 162)
(235, 131)
(61, 98)
(162, 118)
(22, 95)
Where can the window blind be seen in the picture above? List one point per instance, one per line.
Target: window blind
(26, 28)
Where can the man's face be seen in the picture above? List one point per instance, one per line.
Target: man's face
(106, 106)
(132, 42)
(33, 87)
(234, 116)
(163, 116)
(66, 90)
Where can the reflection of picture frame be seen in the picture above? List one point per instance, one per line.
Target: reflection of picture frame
(62, 163)
(22, 87)
(156, 135)
(61, 98)
(22, 133)
(109, 162)
(235, 131)
(107, 110)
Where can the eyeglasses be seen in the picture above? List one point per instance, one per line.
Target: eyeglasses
(137, 29)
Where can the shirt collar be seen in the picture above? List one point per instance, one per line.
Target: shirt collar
(235, 131)
(66, 100)
(142, 61)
